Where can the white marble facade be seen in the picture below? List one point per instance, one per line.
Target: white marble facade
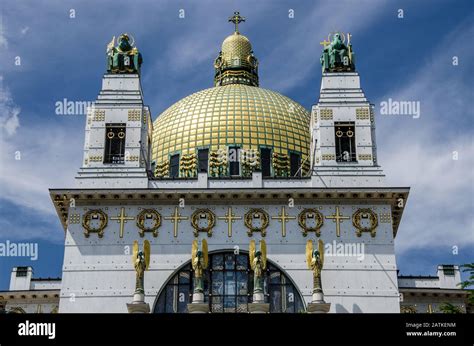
(98, 274)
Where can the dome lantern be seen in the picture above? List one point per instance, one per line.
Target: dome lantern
(236, 63)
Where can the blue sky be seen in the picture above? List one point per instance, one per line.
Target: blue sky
(406, 59)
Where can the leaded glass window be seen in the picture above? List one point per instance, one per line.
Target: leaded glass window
(228, 287)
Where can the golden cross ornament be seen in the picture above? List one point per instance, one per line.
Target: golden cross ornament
(337, 218)
(229, 219)
(283, 218)
(236, 19)
(122, 219)
(176, 218)
(324, 43)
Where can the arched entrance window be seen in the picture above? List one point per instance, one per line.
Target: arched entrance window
(228, 287)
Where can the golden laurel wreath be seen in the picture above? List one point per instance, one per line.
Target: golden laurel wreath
(147, 214)
(365, 213)
(307, 213)
(257, 213)
(92, 214)
(201, 214)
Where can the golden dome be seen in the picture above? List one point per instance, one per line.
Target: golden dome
(233, 115)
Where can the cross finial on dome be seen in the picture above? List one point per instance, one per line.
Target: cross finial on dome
(236, 19)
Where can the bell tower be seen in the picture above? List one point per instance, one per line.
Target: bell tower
(118, 128)
(343, 145)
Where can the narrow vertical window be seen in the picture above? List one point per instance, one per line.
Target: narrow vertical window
(174, 166)
(295, 163)
(234, 164)
(265, 156)
(345, 142)
(203, 159)
(114, 143)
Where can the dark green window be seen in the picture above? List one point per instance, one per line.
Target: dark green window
(174, 166)
(265, 155)
(203, 159)
(295, 162)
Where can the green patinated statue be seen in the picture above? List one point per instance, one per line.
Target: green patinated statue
(123, 58)
(337, 56)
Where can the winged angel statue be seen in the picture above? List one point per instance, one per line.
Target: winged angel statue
(200, 261)
(141, 262)
(315, 261)
(258, 263)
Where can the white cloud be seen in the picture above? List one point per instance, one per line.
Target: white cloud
(439, 208)
(3, 38)
(49, 157)
(11, 124)
(419, 153)
(33, 158)
(9, 121)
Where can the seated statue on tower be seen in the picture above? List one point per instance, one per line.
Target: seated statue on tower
(337, 56)
(123, 58)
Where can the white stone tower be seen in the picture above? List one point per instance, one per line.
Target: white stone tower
(118, 128)
(344, 151)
